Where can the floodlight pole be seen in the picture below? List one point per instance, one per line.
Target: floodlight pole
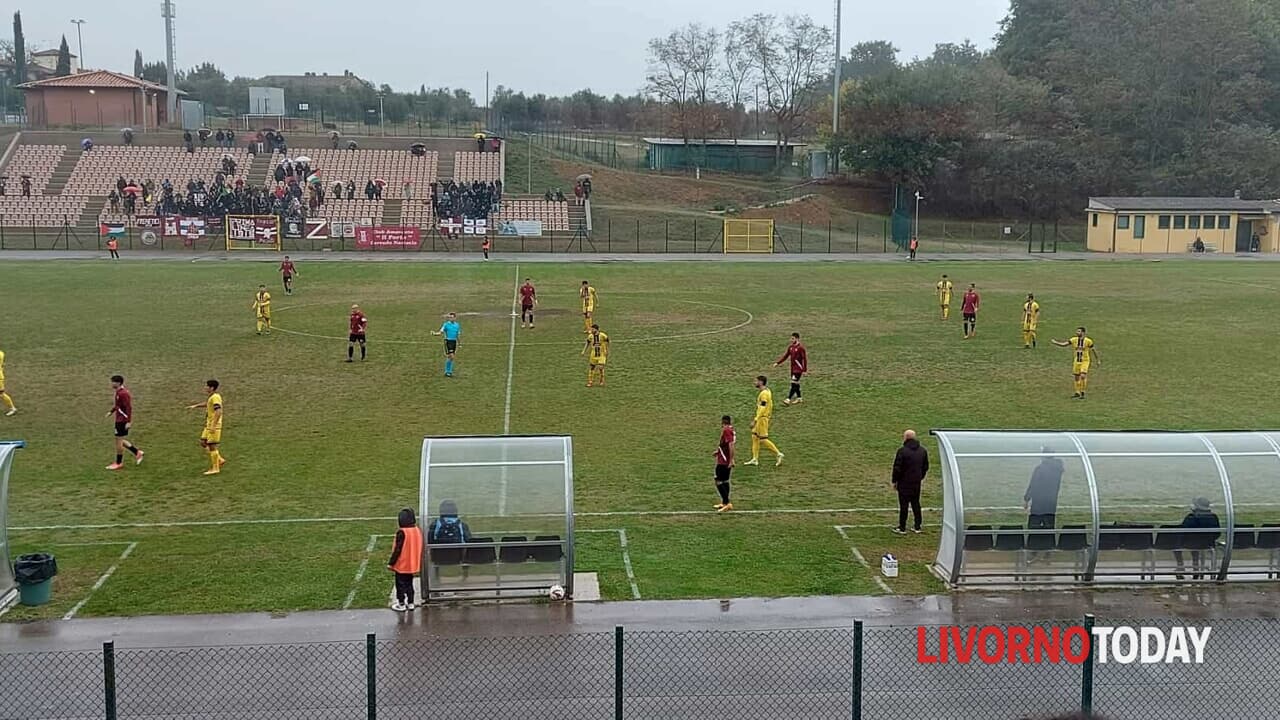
(834, 164)
(916, 232)
(171, 96)
(382, 119)
(80, 40)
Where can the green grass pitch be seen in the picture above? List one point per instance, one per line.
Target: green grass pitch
(1183, 344)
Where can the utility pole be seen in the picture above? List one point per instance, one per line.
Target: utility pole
(167, 12)
(79, 40)
(382, 119)
(916, 232)
(486, 101)
(834, 164)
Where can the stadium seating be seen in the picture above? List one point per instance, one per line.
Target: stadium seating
(554, 215)
(361, 166)
(41, 210)
(472, 166)
(357, 211)
(97, 170)
(417, 213)
(38, 161)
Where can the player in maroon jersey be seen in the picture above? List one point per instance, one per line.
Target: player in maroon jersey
(358, 323)
(969, 307)
(724, 462)
(122, 414)
(288, 271)
(799, 366)
(528, 301)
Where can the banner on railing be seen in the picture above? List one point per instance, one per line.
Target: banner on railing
(475, 226)
(522, 228)
(388, 236)
(293, 229)
(150, 222)
(261, 229)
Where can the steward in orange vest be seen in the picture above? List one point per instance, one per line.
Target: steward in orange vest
(406, 559)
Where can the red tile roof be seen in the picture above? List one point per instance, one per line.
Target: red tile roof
(95, 79)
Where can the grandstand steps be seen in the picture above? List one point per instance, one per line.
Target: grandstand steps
(259, 172)
(62, 171)
(393, 212)
(444, 166)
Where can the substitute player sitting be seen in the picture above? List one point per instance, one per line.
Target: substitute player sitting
(588, 296)
(262, 309)
(528, 301)
(799, 366)
(597, 352)
(1083, 355)
(357, 323)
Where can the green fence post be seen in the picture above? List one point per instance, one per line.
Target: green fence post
(617, 673)
(109, 678)
(801, 236)
(857, 670)
(371, 674)
(1086, 680)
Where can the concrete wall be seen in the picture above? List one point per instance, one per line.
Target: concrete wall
(104, 107)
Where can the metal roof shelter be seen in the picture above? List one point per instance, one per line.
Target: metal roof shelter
(8, 588)
(1080, 508)
(514, 494)
(1185, 204)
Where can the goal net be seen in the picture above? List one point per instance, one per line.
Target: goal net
(253, 232)
(748, 236)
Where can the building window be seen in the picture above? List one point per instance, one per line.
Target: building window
(1139, 226)
(1224, 222)
(1179, 222)
(1122, 222)
(1162, 222)
(1210, 222)
(1095, 219)
(1193, 222)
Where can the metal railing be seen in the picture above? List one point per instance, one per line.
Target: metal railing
(848, 672)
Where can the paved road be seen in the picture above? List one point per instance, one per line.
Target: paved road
(707, 660)
(398, 257)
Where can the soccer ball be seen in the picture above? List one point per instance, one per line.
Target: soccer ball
(556, 592)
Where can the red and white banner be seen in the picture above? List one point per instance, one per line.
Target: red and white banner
(147, 221)
(257, 228)
(388, 236)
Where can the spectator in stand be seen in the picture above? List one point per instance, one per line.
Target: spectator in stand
(548, 196)
(279, 173)
(560, 195)
(333, 137)
(259, 140)
(4, 190)
(370, 189)
(407, 190)
(114, 198)
(337, 190)
(586, 188)
(26, 186)
(497, 190)
(120, 183)
(204, 134)
(149, 189)
(86, 144)
(495, 144)
(351, 189)
(130, 203)
(480, 142)
(279, 191)
(577, 193)
(219, 137)
(187, 142)
(280, 143)
(230, 136)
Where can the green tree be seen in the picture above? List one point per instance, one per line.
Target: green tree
(63, 67)
(156, 72)
(137, 63)
(19, 51)
(872, 58)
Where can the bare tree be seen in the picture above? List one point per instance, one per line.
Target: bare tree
(792, 57)
(683, 73)
(739, 72)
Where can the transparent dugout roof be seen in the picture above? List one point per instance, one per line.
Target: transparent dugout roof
(7, 585)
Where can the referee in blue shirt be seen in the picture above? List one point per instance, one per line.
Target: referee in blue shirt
(450, 330)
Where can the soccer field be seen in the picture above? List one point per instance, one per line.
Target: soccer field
(322, 454)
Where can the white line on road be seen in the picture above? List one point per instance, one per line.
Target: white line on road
(364, 565)
(862, 560)
(101, 581)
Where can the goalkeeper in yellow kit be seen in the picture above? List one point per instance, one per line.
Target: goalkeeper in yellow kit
(760, 425)
(262, 309)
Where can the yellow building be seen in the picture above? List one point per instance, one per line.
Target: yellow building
(1172, 224)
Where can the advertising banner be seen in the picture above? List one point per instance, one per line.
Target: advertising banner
(388, 237)
(522, 228)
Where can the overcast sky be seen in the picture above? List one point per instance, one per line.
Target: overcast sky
(550, 46)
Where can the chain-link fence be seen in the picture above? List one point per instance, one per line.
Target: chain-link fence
(879, 672)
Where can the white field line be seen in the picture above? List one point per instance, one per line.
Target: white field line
(102, 580)
(862, 560)
(616, 513)
(653, 338)
(1243, 284)
(364, 565)
(506, 406)
(626, 557)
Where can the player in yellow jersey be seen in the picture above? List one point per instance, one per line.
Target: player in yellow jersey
(262, 308)
(4, 394)
(597, 352)
(211, 435)
(1083, 355)
(943, 291)
(588, 296)
(1030, 321)
(760, 425)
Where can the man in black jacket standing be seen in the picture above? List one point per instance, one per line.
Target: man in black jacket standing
(909, 468)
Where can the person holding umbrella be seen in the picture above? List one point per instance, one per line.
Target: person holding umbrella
(334, 136)
(378, 185)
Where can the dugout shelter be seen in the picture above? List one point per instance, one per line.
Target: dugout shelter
(1084, 508)
(8, 587)
(513, 495)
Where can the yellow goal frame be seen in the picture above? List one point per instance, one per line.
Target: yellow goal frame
(748, 236)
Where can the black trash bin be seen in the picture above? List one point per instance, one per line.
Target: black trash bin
(34, 574)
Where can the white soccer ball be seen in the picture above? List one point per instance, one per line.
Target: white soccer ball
(556, 592)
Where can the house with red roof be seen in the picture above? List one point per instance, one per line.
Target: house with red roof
(97, 97)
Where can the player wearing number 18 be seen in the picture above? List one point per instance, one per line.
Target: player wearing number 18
(1083, 355)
